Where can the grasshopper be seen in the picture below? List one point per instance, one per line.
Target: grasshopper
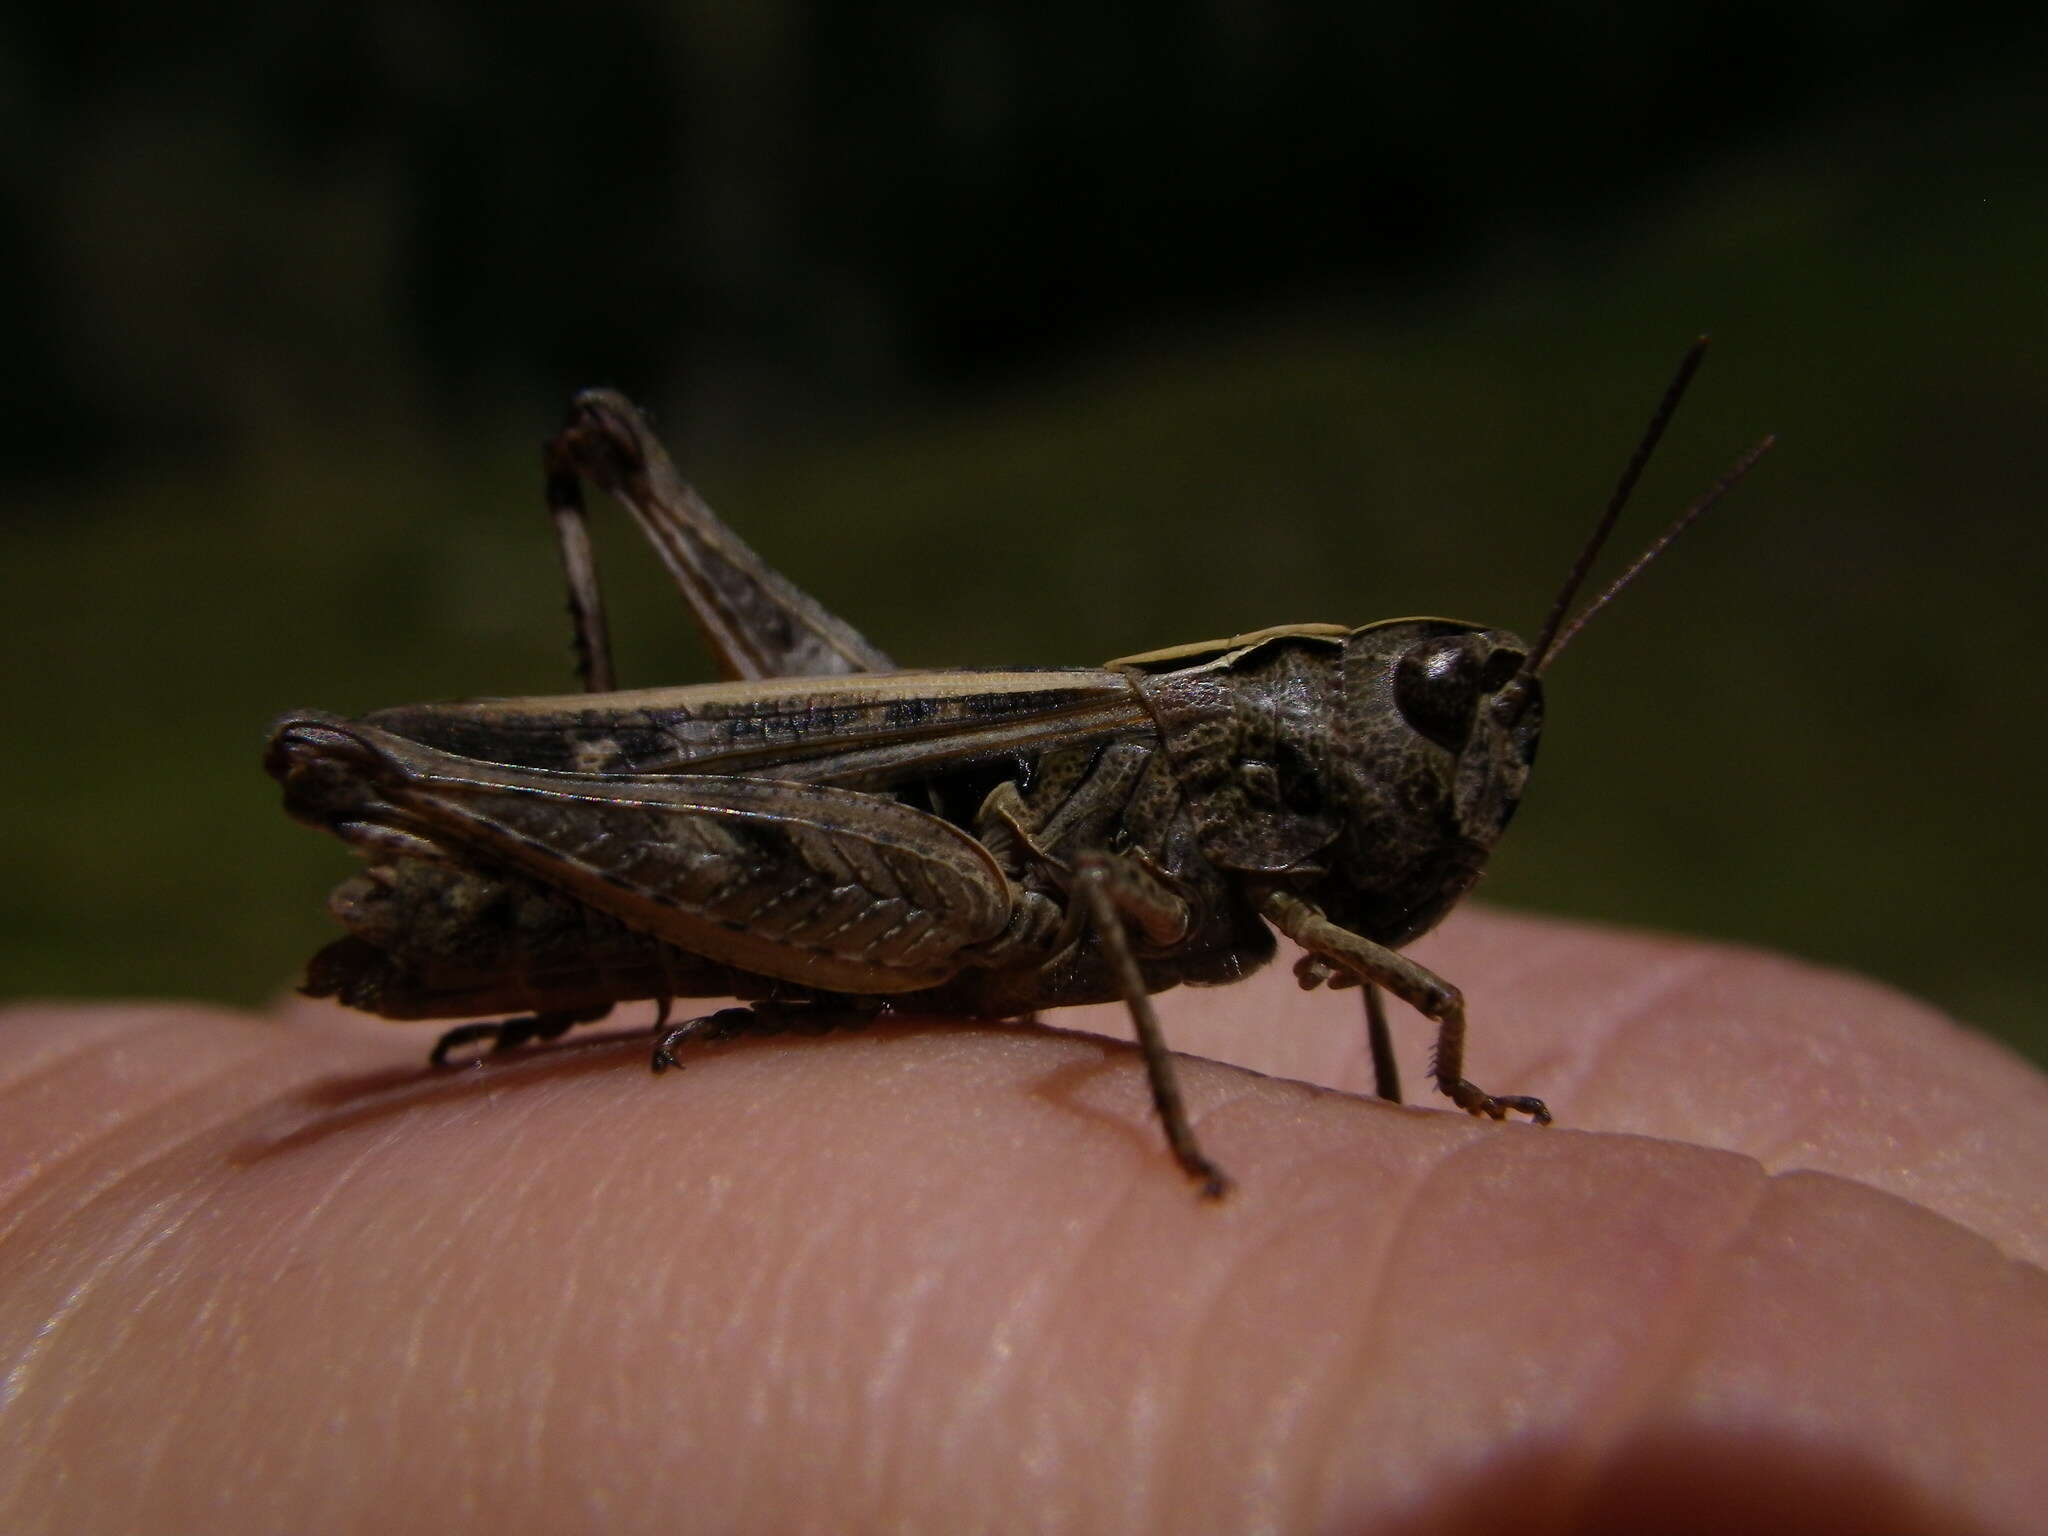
(827, 836)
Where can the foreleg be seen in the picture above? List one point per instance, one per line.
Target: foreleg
(1422, 989)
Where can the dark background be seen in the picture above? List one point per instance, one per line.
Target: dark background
(1041, 334)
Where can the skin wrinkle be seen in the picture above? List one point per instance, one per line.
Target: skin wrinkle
(1815, 1116)
(1634, 1401)
(882, 1449)
(1933, 1462)
(1001, 1365)
(1039, 1447)
(1135, 1192)
(545, 1338)
(133, 1123)
(888, 1430)
(148, 1452)
(1340, 1156)
(911, 1319)
(1959, 1148)
(55, 1064)
(1809, 1133)
(1115, 1203)
(141, 1236)
(306, 1221)
(1266, 1452)
(1199, 1316)
(465, 1443)
(1314, 1509)
(145, 1163)
(1638, 1009)
(307, 1217)
(785, 1295)
(1518, 1409)
(1775, 1152)
(89, 1026)
(433, 1298)
(753, 1295)
(710, 1198)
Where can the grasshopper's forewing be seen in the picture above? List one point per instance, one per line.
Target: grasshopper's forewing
(749, 823)
(865, 731)
(807, 883)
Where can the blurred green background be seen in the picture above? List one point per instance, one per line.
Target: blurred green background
(1042, 337)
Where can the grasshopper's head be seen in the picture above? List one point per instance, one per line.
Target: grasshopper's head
(1441, 724)
(1464, 708)
(1440, 721)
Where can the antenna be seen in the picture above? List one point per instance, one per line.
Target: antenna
(1684, 520)
(1631, 472)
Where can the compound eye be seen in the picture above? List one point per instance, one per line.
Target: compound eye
(1437, 685)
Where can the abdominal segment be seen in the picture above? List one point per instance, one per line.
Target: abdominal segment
(430, 940)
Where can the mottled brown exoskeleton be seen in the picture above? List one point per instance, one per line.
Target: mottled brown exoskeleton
(827, 836)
